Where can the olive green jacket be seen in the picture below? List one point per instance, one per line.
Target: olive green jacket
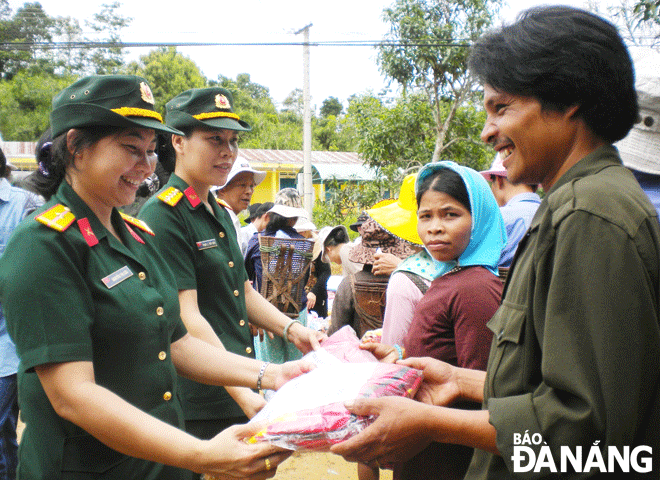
(575, 358)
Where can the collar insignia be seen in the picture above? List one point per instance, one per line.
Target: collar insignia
(192, 197)
(87, 232)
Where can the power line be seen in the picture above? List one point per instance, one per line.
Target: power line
(346, 43)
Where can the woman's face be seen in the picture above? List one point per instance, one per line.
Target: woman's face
(108, 173)
(444, 225)
(206, 156)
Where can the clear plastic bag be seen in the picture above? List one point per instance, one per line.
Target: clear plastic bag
(308, 412)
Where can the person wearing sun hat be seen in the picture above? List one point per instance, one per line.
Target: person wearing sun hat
(101, 345)
(197, 239)
(282, 218)
(409, 276)
(518, 204)
(352, 305)
(236, 193)
(639, 149)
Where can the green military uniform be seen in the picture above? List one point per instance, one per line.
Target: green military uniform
(201, 248)
(576, 348)
(72, 292)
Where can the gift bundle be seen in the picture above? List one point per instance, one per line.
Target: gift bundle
(308, 412)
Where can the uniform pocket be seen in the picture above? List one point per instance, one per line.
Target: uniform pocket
(86, 454)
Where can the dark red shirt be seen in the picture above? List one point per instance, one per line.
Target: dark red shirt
(449, 324)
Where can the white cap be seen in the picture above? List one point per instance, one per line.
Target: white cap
(242, 165)
(287, 211)
(639, 149)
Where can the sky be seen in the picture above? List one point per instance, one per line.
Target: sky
(338, 71)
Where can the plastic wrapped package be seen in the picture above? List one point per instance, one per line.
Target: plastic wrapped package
(308, 412)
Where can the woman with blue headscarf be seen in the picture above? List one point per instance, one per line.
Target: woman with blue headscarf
(460, 224)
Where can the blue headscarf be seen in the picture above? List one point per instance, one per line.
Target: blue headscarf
(488, 235)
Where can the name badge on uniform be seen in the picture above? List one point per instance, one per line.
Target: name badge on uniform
(204, 244)
(117, 277)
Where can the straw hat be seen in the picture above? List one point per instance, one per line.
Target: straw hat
(400, 217)
(375, 237)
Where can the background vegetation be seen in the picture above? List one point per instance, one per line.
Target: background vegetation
(435, 113)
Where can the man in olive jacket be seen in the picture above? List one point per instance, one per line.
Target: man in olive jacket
(572, 383)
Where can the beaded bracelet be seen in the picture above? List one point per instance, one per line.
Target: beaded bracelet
(286, 330)
(260, 377)
(400, 351)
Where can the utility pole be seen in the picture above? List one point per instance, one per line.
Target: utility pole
(308, 188)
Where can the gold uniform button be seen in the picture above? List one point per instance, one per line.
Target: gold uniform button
(160, 311)
(142, 275)
(162, 356)
(242, 323)
(167, 396)
(248, 350)
(236, 293)
(222, 234)
(231, 264)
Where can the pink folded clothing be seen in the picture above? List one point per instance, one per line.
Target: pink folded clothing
(308, 412)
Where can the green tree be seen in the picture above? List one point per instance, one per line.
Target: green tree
(270, 129)
(426, 50)
(20, 39)
(633, 27)
(25, 103)
(168, 72)
(331, 106)
(401, 133)
(108, 23)
(649, 10)
(294, 103)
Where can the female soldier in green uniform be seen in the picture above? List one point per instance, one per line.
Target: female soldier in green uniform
(197, 238)
(102, 342)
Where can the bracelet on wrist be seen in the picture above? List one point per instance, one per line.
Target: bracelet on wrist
(285, 334)
(260, 377)
(400, 351)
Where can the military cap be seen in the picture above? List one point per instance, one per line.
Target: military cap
(106, 100)
(204, 108)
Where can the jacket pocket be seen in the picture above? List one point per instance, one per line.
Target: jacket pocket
(508, 359)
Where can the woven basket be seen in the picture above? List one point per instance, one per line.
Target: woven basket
(285, 264)
(369, 303)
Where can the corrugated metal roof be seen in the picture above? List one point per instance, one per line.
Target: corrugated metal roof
(345, 171)
(295, 157)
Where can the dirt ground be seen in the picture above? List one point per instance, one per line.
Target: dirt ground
(308, 466)
(320, 466)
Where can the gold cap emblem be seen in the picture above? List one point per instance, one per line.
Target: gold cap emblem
(222, 102)
(145, 91)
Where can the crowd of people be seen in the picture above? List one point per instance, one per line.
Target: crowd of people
(527, 293)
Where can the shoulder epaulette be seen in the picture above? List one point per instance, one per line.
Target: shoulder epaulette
(171, 196)
(222, 203)
(136, 222)
(58, 217)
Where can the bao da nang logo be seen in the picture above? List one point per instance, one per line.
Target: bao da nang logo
(595, 458)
